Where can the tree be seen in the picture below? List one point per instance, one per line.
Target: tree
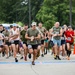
(46, 11)
(6, 8)
(52, 11)
(14, 11)
(73, 13)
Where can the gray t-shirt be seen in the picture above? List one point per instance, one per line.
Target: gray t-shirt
(31, 33)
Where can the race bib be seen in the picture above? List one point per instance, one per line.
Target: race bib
(62, 38)
(57, 33)
(69, 38)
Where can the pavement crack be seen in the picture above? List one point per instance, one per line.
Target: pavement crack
(34, 70)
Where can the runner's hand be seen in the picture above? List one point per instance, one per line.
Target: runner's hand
(54, 35)
(32, 38)
(10, 39)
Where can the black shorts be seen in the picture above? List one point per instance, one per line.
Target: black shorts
(63, 42)
(1, 46)
(33, 46)
(66, 45)
(16, 42)
(25, 43)
(39, 44)
(8, 43)
(70, 43)
(42, 41)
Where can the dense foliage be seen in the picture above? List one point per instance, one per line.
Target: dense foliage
(46, 11)
(56, 10)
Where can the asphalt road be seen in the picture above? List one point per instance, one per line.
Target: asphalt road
(44, 66)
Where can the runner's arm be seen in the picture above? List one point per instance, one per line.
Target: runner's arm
(38, 37)
(27, 37)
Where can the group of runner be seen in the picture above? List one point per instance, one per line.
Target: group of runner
(31, 41)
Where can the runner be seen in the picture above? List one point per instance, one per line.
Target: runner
(63, 42)
(24, 40)
(46, 42)
(1, 31)
(51, 44)
(42, 31)
(10, 47)
(6, 42)
(1, 42)
(32, 35)
(56, 32)
(69, 40)
(14, 39)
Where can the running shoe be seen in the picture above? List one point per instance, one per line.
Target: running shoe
(33, 63)
(29, 56)
(16, 60)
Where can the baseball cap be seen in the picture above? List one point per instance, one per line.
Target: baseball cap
(14, 25)
(33, 24)
(69, 26)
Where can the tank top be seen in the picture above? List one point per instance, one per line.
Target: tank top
(62, 37)
(56, 31)
(15, 32)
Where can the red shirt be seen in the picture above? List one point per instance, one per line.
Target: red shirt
(69, 35)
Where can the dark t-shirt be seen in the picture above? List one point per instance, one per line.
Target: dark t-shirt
(22, 33)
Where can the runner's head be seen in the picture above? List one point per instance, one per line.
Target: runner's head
(1, 27)
(14, 26)
(65, 27)
(11, 26)
(40, 24)
(57, 24)
(26, 26)
(33, 25)
(69, 27)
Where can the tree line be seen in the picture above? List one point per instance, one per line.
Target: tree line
(45, 11)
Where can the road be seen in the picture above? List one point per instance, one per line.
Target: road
(44, 66)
